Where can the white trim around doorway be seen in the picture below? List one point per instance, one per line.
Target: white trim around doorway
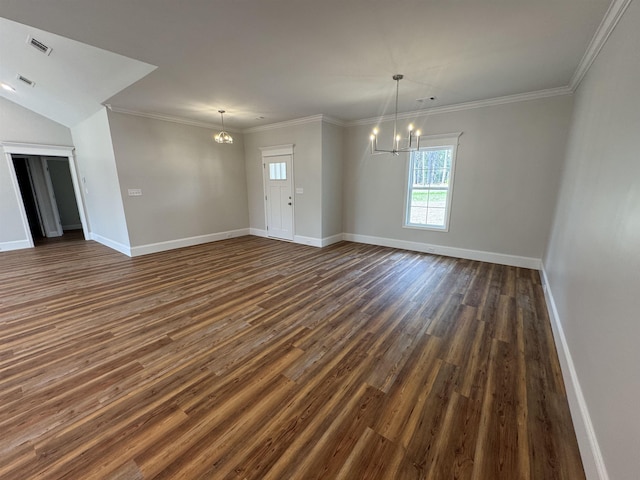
(15, 148)
(277, 151)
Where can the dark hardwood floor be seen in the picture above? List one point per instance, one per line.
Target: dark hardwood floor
(256, 359)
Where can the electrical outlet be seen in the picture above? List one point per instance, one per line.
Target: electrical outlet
(135, 192)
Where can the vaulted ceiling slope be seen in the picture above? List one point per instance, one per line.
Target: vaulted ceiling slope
(61, 79)
(276, 60)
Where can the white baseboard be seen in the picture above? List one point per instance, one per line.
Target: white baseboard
(257, 232)
(75, 226)
(313, 242)
(107, 242)
(332, 239)
(14, 245)
(186, 242)
(592, 460)
(492, 257)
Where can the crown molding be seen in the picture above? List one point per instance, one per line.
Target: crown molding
(215, 126)
(609, 22)
(520, 97)
(287, 123)
(297, 121)
(169, 118)
(334, 121)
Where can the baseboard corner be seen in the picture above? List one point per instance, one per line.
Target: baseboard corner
(107, 242)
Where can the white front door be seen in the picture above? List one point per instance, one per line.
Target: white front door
(278, 183)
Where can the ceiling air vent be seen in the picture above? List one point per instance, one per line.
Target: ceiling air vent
(38, 45)
(31, 83)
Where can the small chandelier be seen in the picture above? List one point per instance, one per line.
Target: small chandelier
(396, 148)
(223, 137)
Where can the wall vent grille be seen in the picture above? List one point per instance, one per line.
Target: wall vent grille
(38, 45)
(31, 83)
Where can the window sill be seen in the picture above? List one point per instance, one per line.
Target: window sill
(426, 227)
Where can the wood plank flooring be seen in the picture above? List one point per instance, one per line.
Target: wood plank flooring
(256, 359)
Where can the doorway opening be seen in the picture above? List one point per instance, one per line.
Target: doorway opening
(48, 191)
(48, 197)
(25, 185)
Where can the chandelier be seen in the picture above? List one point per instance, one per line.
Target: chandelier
(414, 136)
(222, 137)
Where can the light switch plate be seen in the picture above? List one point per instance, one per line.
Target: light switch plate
(299, 190)
(135, 192)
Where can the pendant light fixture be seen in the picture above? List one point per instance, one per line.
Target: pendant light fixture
(223, 137)
(414, 136)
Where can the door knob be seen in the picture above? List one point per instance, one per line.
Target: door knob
(289, 203)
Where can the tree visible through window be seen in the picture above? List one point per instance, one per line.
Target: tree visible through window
(429, 187)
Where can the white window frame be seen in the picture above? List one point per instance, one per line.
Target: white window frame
(432, 142)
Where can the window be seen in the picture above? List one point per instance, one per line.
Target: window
(430, 184)
(278, 171)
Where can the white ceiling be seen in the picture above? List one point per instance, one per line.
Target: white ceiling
(70, 82)
(287, 59)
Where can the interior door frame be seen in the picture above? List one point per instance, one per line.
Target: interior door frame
(33, 149)
(277, 151)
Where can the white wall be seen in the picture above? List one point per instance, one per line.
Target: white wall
(99, 178)
(191, 185)
(17, 124)
(307, 171)
(593, 258)
(506, 179)
(332, 167)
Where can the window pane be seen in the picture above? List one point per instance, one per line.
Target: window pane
(420, 198)
(440, 177)
(278, 171)
(437, 199)
(418, 215)
(435, 216)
